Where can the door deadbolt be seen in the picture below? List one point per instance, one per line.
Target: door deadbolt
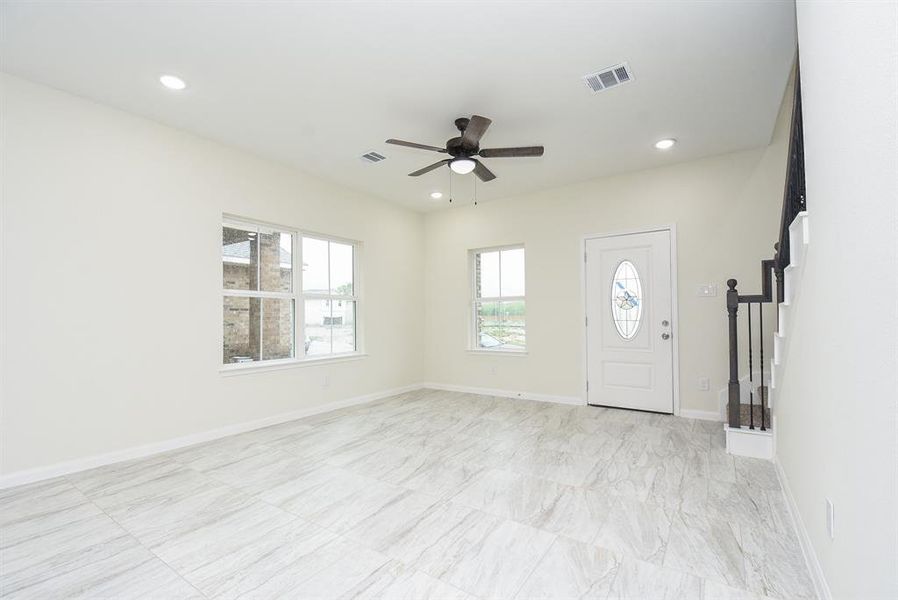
(665, 323)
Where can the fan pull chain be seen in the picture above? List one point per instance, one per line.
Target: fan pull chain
(450, 186)
(475, 191)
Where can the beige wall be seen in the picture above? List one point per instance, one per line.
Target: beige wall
(111, 279)
(837, 399)
(726, 211)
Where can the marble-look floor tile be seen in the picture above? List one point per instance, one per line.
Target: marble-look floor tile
(509, 495)
(756, 472)
(395, 581)
(489, 561)
(713, 590)
(392, 520)
(554, 465)
(439, 477)
(637, 580)
(92, 557)
(217, 453)
(428, 494)
(705, 547)
(576, 513)
(349, 572)
(333, 497)
(624, 475)
(571, 569)
(262, 471)
(636, 529)
(30, 511)
(774, 564)
(252, 562)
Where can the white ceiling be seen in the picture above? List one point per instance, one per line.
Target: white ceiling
(317, 84)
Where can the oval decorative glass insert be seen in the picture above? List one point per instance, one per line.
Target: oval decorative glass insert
(626, 300)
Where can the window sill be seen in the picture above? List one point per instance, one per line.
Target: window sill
(277, 365)
(498, 352)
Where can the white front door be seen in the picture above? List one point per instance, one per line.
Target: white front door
(629, 321)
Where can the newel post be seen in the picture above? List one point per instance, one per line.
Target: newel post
(733, 406)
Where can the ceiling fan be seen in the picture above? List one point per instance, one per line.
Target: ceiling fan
(463, 148)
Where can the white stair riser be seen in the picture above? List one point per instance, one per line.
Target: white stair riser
(752, 443)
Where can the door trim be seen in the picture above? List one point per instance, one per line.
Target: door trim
(674, 301)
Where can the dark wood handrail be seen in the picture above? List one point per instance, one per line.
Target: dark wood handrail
(794, 202)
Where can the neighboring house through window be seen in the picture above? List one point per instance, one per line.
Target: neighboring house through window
(499, 309)
(269, 272)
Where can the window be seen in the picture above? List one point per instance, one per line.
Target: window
(626, 300)
(267, 273)
(499, 310)
(329, 296)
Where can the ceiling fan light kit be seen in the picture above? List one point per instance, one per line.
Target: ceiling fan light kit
(462, 166)
(463, 148)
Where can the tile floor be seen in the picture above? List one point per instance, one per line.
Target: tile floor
(429, 494)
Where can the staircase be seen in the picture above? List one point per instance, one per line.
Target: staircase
(749, 428)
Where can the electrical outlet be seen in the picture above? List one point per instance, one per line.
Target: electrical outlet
(830, 519)
(707, 291)
(492, 370)
(325, 381)
(704, 384)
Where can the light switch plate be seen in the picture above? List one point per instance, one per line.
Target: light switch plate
(704, 384)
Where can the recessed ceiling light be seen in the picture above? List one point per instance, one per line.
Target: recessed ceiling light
(172, 82)
(436, 195)
(665, 144)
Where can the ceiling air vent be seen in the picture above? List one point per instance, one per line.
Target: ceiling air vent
(373, 157)
(609, 78)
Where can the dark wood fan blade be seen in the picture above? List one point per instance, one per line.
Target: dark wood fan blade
(414, 145)
(511, 152)
(429, 168)
(477, 126)
(481, 171)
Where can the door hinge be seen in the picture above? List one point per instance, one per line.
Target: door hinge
(586, 320)
(587, 385)
(584, 257)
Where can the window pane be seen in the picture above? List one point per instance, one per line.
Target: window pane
(341, 269)
(242, 318)
(314, 266)
(512, 272)
(487, 274)
(626, 300)
(239, 258)
(514, 330)
(318, 327)
(501, 325)
(277, 328)
(343, 325)
(489, 325)
(276, 252)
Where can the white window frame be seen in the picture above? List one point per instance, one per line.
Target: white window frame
(473, 334)
(300, 358)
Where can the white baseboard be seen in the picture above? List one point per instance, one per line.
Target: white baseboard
(99, 460)
(804, 540)
(704, 415)
(575, 400)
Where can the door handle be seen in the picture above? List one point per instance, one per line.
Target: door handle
(665, 336)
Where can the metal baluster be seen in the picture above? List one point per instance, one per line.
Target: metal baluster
(751, 396)
(763, 388)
